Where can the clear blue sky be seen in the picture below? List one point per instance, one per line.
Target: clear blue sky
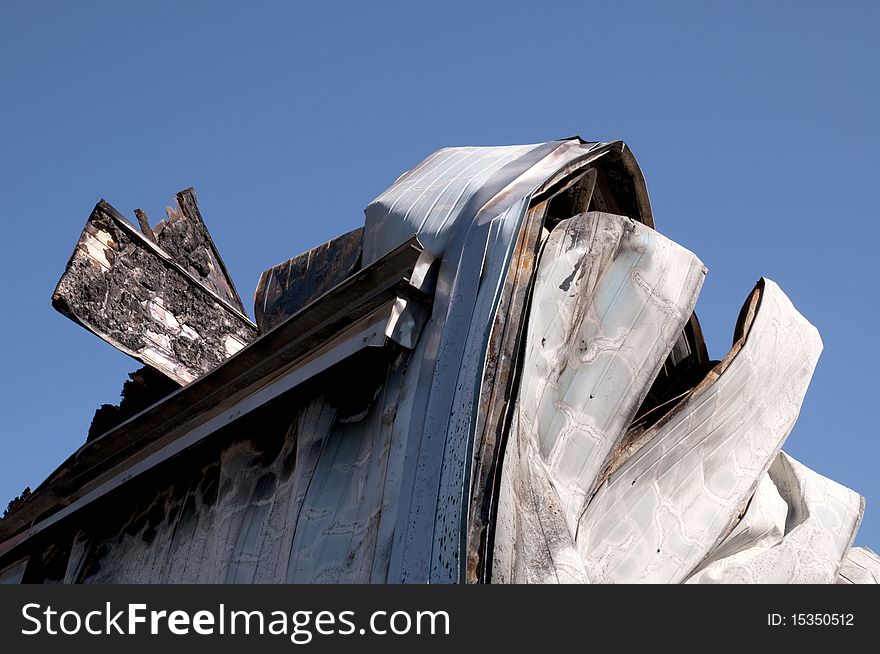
(756, 125)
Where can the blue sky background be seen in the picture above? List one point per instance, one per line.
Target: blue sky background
(756, 125)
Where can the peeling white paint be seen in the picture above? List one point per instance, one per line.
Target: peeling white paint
(161, 315)
(162, 341)
(188, 332)
(96, 247)
(233, 344)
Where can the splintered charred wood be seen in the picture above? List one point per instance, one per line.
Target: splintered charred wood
(15, 502)
(286, 288)
(185, 238)
(137, 297)
(361, 295)
(144, 224)
(143, 388)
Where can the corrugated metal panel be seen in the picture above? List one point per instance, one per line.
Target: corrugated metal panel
(415, 443)
(475, 234)
(433, 199)
(466, 205)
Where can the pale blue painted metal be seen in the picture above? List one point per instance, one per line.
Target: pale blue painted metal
(467, 206)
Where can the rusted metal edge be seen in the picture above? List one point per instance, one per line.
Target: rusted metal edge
(497, 393)
(500, 381)
(274, 354)
(630, 445)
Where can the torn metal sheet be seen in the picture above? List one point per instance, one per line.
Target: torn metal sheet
(133, 294)
(676, 496)
(468, 205)
(797, 529)
(610, 300)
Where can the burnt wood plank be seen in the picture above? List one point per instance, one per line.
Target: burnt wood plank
(288, 287)
(184, 236)
(135, 296)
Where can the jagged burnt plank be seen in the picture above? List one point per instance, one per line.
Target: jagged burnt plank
(184, 236)
(138, 298)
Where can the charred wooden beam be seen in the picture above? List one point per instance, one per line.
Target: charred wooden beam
(144, 224)
(288, 287)
(144, 300)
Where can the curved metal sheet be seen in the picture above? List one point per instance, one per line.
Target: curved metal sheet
(797, 529)
(611, 298)
(861, 566)
(678, 496)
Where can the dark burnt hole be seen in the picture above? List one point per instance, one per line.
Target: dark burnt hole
(353, 384)
(570, 201)
(685, 367)
(49, 565)
(615, 190)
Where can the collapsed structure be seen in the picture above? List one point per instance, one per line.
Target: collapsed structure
(499, 378)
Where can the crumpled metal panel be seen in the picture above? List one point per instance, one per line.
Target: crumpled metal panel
(391, 485)
(797, 529)
(303, 482)
(861, 566)
(677, 497)
(762, 527)
(610, 300)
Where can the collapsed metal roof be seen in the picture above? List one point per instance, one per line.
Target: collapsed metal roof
(499, 378)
